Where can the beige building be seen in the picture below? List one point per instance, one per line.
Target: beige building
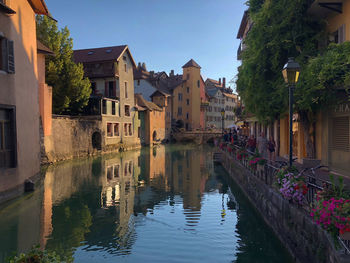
(110, 70)
(19, 95)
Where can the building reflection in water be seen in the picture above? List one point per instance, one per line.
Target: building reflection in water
(93, 202)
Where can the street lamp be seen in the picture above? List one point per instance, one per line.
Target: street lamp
(290, 73)
(222, 119)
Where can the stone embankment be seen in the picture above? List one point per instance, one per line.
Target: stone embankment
(305, 240)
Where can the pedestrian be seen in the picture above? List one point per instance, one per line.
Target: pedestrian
(262, 145)
(251, 143)
(271, 145)
(235, 137)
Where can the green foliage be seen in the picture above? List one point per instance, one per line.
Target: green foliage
(281, 29)
(36, 255)
(71, 91)
(322, 77)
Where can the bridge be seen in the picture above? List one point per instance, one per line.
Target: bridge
(198, 137)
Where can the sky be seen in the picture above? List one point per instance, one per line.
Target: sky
(164, 34)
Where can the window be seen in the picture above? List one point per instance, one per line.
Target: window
(180, 96)
(188, 102)
(125, 129)
(110, 88)
(109, 130)
(7, 59)
(127, 110)
(126, 89)
(179, 111)
(104, 107)
(138, 132)
(138, 82)
(116, 129)
(113, 108)
(188, 76)
(188, 90)
(130, 130)
(187, 115)
(198, 83)
(125, 68)
(7, 138)
(93, 85)
(116, 171)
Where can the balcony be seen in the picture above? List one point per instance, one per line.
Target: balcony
(102, 106)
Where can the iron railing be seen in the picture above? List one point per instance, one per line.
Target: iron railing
(267, 175)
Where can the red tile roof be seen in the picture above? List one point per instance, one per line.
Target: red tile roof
(98, 54)
(191, 63)
(140, 101)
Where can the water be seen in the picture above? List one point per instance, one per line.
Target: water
(167, 204)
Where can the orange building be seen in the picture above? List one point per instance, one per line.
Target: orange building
(20, 77)
(187, 97)
(152, 129)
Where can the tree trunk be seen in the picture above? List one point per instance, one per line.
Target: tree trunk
(306, 125)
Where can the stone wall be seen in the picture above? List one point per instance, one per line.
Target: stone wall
(306, 241)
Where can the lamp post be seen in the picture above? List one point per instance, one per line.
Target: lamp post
(290, 73)
(222, 120)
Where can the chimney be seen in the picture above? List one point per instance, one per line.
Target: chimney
(224, 82)
(219, 81)
(172, 73)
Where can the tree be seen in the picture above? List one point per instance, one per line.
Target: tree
(281, 29)
(71, 91)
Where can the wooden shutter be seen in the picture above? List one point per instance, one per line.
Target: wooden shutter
(4, 56)
(10, 57)
(341, 134)
(341, 34)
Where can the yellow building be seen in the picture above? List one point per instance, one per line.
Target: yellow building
(186, 96)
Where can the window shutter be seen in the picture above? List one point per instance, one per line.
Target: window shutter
(10, 57)
(4, 54)
(341, 134)
(341, 34)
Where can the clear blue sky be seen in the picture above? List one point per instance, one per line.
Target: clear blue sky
(164, 34)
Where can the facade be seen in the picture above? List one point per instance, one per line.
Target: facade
(204, 105)
(230, 105)
(152, 121)
(19, 95)
(110, 70)
(186, 97)
(216, 104)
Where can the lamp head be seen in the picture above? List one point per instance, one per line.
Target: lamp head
(291, 71)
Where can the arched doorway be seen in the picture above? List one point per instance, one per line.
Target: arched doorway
(96, 141)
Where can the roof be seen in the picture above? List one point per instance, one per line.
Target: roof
(161, 93)
(233, 96)
(40, 8)
(243, 25)
(211, 92)
(113, 53)
(191, 63)
(140, 101)
(43, 49)
(211, 83)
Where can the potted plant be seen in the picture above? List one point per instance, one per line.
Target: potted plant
(332, 210)
(291, 185)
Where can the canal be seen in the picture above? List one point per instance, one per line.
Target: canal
(166, 204)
